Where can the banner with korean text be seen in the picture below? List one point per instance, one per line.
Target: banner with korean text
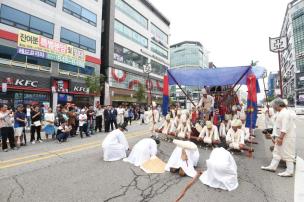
(40, 46)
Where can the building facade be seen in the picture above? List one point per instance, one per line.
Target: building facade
(273, 84)
(187, 54)
(47, 49)
(135, 34)
(292, 59)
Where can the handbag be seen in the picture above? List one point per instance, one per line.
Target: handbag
(37, 123)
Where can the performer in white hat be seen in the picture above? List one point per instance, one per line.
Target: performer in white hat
(153, 116)
(284, 148)
(225, 126)
(235, 138)
(184, 158)
(166, 127)
(115, 144)
(184, 128)
(143, 151)
(206, 103)
(209, 134)
(221, 170)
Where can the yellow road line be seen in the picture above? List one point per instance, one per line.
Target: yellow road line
(58, 153)
(59, 150)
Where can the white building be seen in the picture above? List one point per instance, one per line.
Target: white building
(74, 22)
(135, 34)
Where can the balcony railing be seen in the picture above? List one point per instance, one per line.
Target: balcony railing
(73, 74)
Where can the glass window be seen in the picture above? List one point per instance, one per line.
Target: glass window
(132, 13)
(68, 67)
(159, 34)
(158, 68)
(21, 20)
(87, 70)
(130, 33)
(14, 15)
(42, 25)
(50, 2)
(79, 12)
(159, 50)
(78, 40)
(126, 56)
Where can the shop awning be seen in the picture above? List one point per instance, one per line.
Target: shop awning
(212, 77)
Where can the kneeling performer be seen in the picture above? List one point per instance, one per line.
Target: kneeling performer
(183, 159)
(115, 144)
(209, 134)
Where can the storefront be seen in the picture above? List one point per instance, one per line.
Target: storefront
(24, 89)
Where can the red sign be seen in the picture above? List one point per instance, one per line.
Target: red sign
(61, 86)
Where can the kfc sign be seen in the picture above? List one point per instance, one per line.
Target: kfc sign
(26, 83)
(81, 89)
(61, 86)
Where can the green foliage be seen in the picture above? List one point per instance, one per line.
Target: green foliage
(254, 63)
(270, 98)
(95, 83)
(140, 93)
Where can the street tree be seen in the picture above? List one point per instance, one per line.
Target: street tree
(140, 93)
(95, 83)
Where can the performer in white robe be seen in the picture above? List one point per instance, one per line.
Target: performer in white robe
(209, 134)
(184, 128)
(143, 151)
(185, 157)
(166, 127)
(206, 103)
(235, 136)
(244, 128)
(225, 126)
(268, 113)
(221, 170)
(115, 144)
(284, 148)
(153, 117)
(120, 115)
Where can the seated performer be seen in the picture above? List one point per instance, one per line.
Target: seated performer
(209, 135)
(183, 159)
(242, 125)
(143, 151)
(166, 127)
(115, 144)
(235, 137)
(177, 119)
(184, 128)
(225, 126)
(221, 170)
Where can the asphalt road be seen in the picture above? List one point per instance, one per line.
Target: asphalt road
(75, 171)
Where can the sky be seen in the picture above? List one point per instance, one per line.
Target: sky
(233, 31)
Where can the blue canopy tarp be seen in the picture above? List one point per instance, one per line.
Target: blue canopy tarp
(212, 77)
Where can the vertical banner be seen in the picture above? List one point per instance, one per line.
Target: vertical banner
(252, 112)
(107, 100)
(165, 104)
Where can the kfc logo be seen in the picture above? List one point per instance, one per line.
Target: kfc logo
(27, 83)
(61, 86)
(80, 89)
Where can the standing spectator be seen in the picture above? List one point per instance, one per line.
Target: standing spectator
(83, 123)
(113, 118)
(120, 115)
(28, 115)
(72, 121)
(63, 132)
(130, 114)
(142, 115)
(126, 115)
(99, 114)
(91, 117)
(49, 119)
(106, 115)
(6, 129)
(36, 124)
(19, 124)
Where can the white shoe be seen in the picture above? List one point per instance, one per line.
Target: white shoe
(40, 141)
(34, 142)
(285, 174)
(268, 168)
(273, 165)
(289, 170)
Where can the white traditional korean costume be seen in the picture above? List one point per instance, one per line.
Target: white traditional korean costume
(235, 139)
(115, 146)
(209, 136)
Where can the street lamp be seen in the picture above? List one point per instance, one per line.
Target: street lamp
(148, 70)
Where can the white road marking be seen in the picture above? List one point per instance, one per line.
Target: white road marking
(299, 181)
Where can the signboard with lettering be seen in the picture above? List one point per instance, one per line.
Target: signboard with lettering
(278, 44)
(42, 47)
(61, 85)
